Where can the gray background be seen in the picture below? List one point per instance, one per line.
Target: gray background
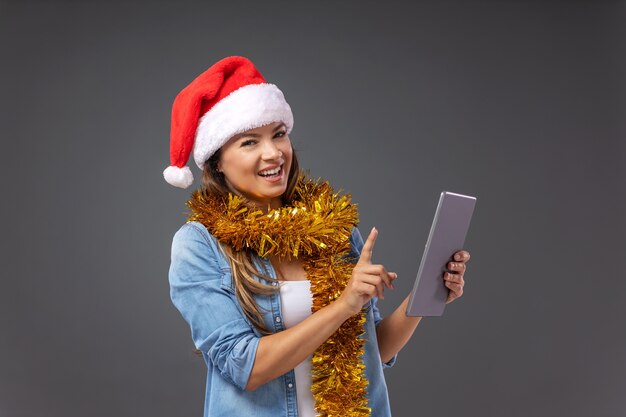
(520, 103)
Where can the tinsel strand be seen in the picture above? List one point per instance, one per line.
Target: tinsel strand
(315, 229)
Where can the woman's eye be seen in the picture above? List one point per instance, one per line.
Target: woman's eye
(248, 142)
(280, 134)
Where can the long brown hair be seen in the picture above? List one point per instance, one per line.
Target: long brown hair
(245, 274)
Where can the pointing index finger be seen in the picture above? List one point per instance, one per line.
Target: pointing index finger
(368, 247)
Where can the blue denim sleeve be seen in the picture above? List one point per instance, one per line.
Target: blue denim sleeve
(218, 327)
(356, 242)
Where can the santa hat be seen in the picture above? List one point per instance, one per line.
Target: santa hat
(228, 98)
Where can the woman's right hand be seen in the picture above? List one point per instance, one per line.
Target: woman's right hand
(368, 280)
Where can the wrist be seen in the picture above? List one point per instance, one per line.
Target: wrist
(343, 310)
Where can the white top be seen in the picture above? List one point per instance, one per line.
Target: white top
(296, 302)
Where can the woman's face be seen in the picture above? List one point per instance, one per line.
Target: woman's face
(256, 164)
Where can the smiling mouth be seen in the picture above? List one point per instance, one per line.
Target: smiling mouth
(271, 173)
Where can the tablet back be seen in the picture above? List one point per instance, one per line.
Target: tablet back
(447, 236)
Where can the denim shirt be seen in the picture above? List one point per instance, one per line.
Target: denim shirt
(201, 288)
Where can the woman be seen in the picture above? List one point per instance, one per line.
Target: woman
(270, 272)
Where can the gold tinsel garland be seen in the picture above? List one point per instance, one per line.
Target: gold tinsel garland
(316, 229)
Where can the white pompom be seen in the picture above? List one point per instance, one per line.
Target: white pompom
(178, 177)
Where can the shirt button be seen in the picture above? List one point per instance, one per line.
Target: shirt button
(290, 385)
(277, 319)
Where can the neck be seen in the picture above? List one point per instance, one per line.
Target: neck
(266, 206)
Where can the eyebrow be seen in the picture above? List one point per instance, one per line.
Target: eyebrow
(256, 135)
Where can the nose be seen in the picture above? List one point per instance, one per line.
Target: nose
(270, 150)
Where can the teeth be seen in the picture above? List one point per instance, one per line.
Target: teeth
(270, 172)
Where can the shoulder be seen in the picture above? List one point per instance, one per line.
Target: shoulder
(194, 232)
(356, 244)
(193, 237)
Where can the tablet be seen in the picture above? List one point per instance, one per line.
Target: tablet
(447, 236)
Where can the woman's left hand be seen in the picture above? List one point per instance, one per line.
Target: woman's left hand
(453, 278)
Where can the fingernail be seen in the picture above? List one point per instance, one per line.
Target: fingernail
(457, 257)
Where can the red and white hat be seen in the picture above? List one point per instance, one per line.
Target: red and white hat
(228, 98)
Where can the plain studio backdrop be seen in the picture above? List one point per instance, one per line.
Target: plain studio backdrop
(521, 103)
